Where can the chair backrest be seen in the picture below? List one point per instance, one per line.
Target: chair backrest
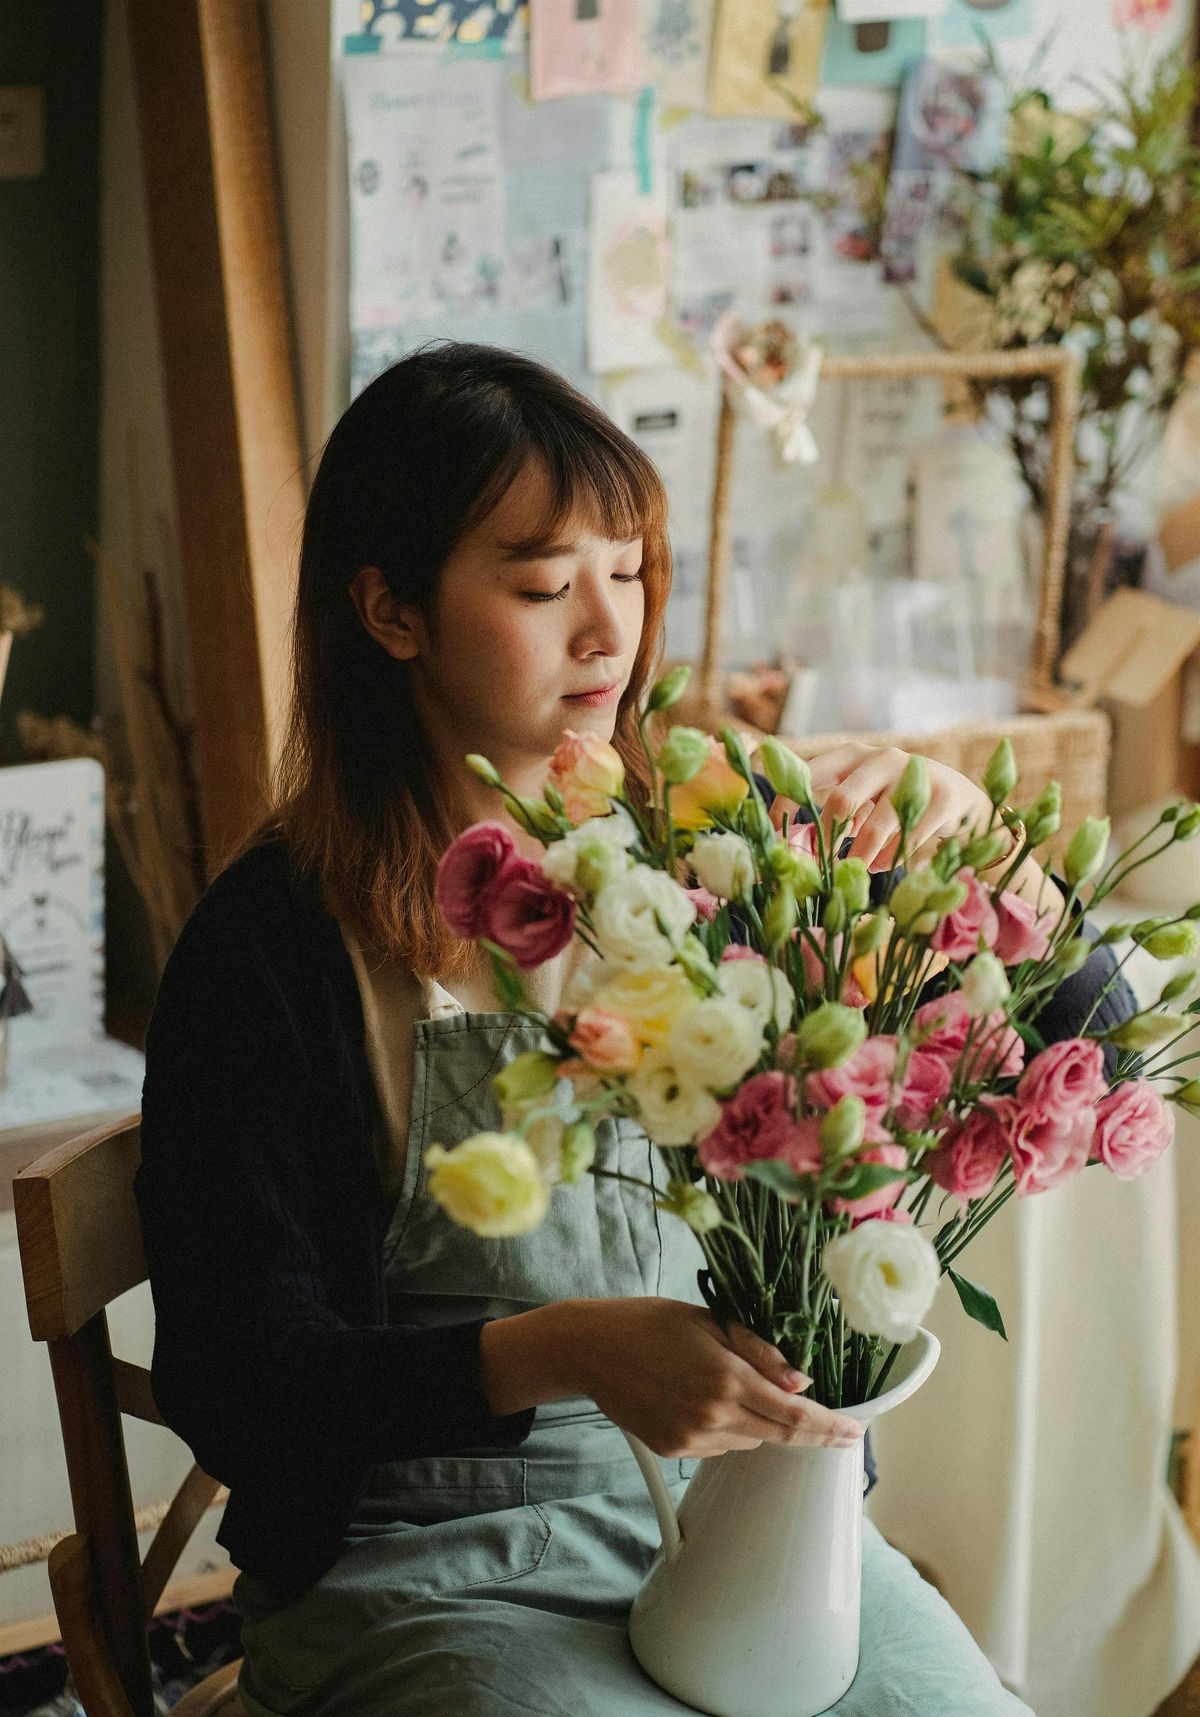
(81, 1247)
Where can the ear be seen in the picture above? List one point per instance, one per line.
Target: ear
(392, 624)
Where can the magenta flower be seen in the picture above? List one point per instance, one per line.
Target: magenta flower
(466, 871)
(959, 934)
(757, 1124)
(1134, 1126)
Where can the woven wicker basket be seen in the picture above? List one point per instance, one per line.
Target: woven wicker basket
(1070, 747)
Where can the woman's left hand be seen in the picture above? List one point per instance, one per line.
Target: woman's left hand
(855, 782)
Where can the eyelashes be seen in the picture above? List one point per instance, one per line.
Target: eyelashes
(558, 595)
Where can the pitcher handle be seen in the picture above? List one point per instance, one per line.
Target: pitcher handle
(660, 1496)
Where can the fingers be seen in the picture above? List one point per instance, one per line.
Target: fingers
(765, 1359)
(770, 1394)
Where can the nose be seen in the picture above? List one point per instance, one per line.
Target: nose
(601, 631)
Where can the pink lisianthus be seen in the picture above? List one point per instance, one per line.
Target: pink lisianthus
(587, 771)
(1065, 1075)
(996, 1052)
(466, 871)
(1049, 1148)
(802, 838)
(758, 1123)
(739, 951)
(975, 1151)
(868, 1074)
(1134, 1126)
(926, 1083)
(853, 994)
(1021, 934)
(959, 934)
(893, 1215)
(525, 914)
(706, 903)
(892, 1156)
(605, 1041)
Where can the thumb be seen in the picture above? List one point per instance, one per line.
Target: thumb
(766, 1359)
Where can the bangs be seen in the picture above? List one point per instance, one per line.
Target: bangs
(604, 476)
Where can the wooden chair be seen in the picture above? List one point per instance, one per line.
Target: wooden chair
(81, 1247)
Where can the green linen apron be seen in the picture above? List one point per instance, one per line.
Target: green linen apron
(494, 1582)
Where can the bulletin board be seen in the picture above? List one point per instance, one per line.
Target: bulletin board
(596, 184)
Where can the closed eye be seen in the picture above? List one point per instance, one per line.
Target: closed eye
(558, 595)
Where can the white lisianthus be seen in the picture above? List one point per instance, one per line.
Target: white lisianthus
(985, 985)
(714, 1043)
(674, 1110)
(761, 989)
(626, 915)
(723, 864)
(560, 861)
(885, 1275)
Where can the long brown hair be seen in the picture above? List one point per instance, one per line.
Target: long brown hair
(421, 457)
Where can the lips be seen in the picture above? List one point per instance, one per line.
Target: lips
(596, 691)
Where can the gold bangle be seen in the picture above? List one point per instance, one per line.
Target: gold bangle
(1016, 829)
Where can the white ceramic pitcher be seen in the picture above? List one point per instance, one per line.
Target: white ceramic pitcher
(751, 1607)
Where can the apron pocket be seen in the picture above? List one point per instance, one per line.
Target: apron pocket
(291, 1652)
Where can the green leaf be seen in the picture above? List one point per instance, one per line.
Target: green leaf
(1030, 1036)
(780, 1177)
(866, 1178)
(506, 979)
(978, 1303)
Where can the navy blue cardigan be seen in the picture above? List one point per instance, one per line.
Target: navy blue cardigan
(263, 1221)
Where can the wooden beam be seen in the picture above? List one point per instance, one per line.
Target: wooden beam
(208, 168)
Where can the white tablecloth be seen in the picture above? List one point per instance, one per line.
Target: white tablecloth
(1030, 1476)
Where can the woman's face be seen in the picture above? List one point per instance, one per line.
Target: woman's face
(519, 630)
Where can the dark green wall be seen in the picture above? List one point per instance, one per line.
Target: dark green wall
(50, 361)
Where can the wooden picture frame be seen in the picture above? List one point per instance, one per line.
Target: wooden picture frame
(1061, 369)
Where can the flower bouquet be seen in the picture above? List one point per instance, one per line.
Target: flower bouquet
(841, 1068)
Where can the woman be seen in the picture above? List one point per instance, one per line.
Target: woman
(432, 1506)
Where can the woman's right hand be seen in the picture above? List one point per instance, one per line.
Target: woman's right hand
(664, 1370)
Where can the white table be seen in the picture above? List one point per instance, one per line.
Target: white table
(1030, 1476)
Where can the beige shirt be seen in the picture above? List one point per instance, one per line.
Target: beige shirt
(394, 999)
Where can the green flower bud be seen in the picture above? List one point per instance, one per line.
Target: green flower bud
(1188, 825)
(788, 774)
(841, 1129)
(779, 920)
(1072, 956)
(486, 771)
(699, 1209)
(946, 897)
(948, 858)
(1086, 851)
(1147, 1030)
(910, 797)
(1188, 1096)
(1000, 776)
(1193, 912)
(755, 822)
(536, 816)
(554, 798)
(984, 850)
(530, 1075)
(683, 754)
(870, 933)
(577, 1151)
(1045, 815)
(1178, 986)
(806, 877)
(829, 1035)
(910, 897)
(1116, 933)
(597, 863)
(735, 751)
(833, 919)
(1172, 942)
(670, 688)
(693, 957)
(852, 879)
(985, 985)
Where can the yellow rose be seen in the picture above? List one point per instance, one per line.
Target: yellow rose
(717, 787)
(651, 1000)
(869, 968)
(490, 1184)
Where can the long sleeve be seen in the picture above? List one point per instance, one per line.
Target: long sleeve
(260, 1224)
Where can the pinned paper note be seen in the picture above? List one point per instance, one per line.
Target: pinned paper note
(764, 53)
(580, 47)
(629, 273)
